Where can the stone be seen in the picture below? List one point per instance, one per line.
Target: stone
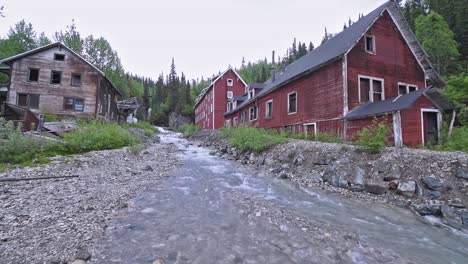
(451, 217)
(299, 160)
(432, 195)
(79, 261)
(285, 166)
(359, 177)
(462, 173)
(428, 209)
(157, 262)
(212, 153)
(419, 190)
(393, 184)
(435, 184)
(54, 260)
(464, 217)
(407, 189)
(243, 162)
(338, 181)
(283, 176)
(252, 157)
(81, 255)
(148, 168)
(269, 161)
(394, 174)
(376, 187)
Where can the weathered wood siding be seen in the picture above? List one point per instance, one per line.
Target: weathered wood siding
(52, 95)
(411, 122)
(394, 62)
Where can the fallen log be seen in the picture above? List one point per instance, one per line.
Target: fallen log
(36, 178)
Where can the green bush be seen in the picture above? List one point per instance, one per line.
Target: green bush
(373, 138)
(253, 139)
(328, 137)
(458, 141)
(187, 130)
(148, 128)
(97, 136)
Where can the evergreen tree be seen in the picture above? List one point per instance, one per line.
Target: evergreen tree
(311, 46)
(43, 40)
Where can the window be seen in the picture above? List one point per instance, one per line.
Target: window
(292, 103)
(235, 122)
(253, 112)
(371, 89)
(243, 117)
(230, 82)
(234, 105)
(229, 94)
(73, 104)
(229, 107)
(269, 109)
(251, 93)
(228, 123)
(370, 44)
(59, 57)
(56, 77)
(76, 80)
(404, 88)
(33, 75)
(29, 100)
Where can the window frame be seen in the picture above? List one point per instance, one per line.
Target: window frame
(407, 86)
(229, 106)
(71, 79)
(374, 50)
(28, 100)
(255, 112)
(52, 74)
(235, 122)
(229, 94)
(230, 82)
(29, 74)
(253, 93)
(371, 90)
(271, 109)
(59, 54)
(74, 104)
(289, 107)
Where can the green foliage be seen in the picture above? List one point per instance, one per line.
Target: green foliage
(463, 116)
(159, 118)
(373, 138)
(329, 137)
(458, 141)
(148, 129)
(253, 139)
(97, 136)
(457, 89)
(187, 130)
(438, 40)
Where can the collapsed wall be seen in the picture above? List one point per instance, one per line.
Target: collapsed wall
(430, 182)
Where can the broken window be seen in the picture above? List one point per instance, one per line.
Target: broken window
(402, 89)
(292, 103)
(56, 77)
(29, 100)
(33, 75)
(253, 113)
(59, 57)
(73, 104)
(370, 44)
(371, 89)
(269, 109)
(76, 80)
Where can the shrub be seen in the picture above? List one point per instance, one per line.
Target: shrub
(253, 139)
(458, 141)
(187, 130)
(98, 136)
(148, 129)
(373, 138)
(328, 137)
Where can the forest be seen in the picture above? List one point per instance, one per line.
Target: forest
(441, 26)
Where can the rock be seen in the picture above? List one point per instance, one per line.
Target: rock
(428, 209)
(419, 190)
(269, 161)
(382, 166)
(435, 184)
(148, 168)
(157, 262)
(79, 261)
(432, 195)
(393, 184)
(212, 153)
(461, 172)
(450, 217)
(81, 255)
(394, 174)
(376, 187)
(338, 181)
(243, 162)
(299, 160)
(359, 177)
(252, 157)
(407, 189)
(54, 260)
(283, 175)
(285, 166)
(464, 217)
(329, 173)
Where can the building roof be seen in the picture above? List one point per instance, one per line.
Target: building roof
(214, 80)
(399, 103)
(341, 44)
(53, 45)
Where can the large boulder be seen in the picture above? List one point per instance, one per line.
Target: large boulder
(432, 183)
(461, 172)
(376, 187)
(428, 209)
(407, 189)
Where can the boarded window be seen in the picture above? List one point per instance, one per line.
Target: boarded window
(56, 77)
(59, 57)
(292, 103)
(269, 109)
(33, 75)
(76, 80)
(370, 44)
(364, 86)
(73, 104)
(29, 100)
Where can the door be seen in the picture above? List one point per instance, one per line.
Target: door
(432, 128)
(310, 131)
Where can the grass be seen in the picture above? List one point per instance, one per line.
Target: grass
(148, 129)
(458, 141)
(253, 139)
(187, 130)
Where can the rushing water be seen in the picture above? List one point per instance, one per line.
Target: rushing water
(211, 210)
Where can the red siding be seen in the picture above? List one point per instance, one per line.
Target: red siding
(411, 122)
(394, 62)
(354, 126)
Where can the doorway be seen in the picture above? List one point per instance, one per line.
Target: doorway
(431, 120)
(310, 130)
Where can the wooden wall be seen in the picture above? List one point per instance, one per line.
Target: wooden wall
(411, 122)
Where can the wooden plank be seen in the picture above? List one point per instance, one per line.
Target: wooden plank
(37, 178)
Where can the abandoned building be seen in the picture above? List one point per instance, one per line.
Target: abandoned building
(374, 68)
(212, 102)
(53, 79)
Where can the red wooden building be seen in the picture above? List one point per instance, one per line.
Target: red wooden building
(376, 67)
(212, 102)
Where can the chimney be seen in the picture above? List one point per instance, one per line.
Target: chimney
(273, 67)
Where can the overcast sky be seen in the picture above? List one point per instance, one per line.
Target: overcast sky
(204, 36)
